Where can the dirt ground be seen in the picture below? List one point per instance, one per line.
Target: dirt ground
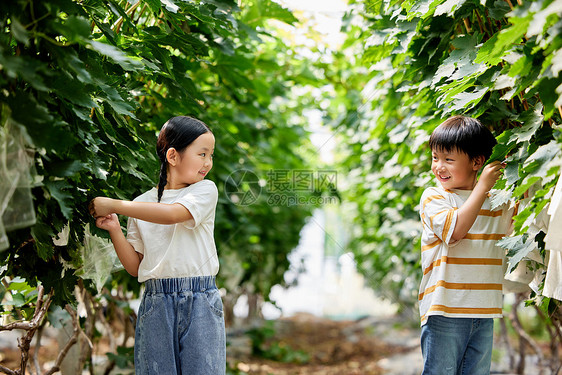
(332, 347)
(301, 345)
(11, 357)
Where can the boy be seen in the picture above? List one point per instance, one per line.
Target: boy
(461, 288)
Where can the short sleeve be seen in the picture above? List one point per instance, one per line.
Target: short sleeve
(201, 200)
(438, 215)
(133, 235)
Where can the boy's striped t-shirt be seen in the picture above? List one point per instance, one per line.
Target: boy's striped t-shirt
(461, 279)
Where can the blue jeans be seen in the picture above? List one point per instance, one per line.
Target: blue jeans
(457, 346)
(180, 328)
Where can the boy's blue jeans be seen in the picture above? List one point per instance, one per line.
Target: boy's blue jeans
(457, 346)
(180, 328)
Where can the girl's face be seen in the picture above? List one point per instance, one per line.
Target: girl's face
(193, 164)
(454, 169)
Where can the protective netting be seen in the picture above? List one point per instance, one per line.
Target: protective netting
(17, 177)
(7, 187)
(99, 259)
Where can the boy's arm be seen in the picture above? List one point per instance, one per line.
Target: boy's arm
(158, 213)
(468, 212)
(130, 259)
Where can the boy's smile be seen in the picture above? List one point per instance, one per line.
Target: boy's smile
(454, 169)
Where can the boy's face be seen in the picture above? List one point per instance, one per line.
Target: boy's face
(454, 169)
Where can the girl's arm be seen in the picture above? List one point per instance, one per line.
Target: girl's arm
(468, 212)
(158, 213)
(125, 251)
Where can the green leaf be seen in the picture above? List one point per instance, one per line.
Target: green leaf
(73, 90)
(170, 5)
(18, 300)
(527, 182)
(30, 70)
(20, 285)
(500, 44)
(538, 163)
(117, 55)
(500, 197)
(262, 10)
(511, 172)
(466, 100)
(57, 190)
(521, 66)
(459, 64)
(64, 168)
(116, 101)
(504, 146)
(448, 7)
(124, 357)
(556, 66)
(455, 88)
(43, 236)
(519, 247)
(19, 32)
(540, 18)
(74, 28)
(44, 129)
(531, 120)
(547, 91)
(499, 9)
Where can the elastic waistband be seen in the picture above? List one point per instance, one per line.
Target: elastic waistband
(180, 284)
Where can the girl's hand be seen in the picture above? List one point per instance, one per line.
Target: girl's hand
(491, 174)
(108, 223)
(100, 207)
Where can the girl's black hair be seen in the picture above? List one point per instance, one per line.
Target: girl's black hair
(178, 132)
(464, 134)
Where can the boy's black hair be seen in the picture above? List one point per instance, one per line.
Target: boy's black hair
(178, 132)
(464, 134)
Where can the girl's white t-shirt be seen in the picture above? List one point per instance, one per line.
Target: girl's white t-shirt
(178, 250)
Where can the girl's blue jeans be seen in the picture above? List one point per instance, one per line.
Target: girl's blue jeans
(457, 346)
(180, 328)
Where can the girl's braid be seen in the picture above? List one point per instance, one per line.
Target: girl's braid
(163, 177)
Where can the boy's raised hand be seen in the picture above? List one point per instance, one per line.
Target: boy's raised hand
(490, 174)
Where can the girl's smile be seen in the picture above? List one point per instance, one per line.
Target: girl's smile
(191, 165)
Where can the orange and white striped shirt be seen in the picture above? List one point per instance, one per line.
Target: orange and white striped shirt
(461, 279)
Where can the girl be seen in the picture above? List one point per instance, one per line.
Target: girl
(170, 247)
